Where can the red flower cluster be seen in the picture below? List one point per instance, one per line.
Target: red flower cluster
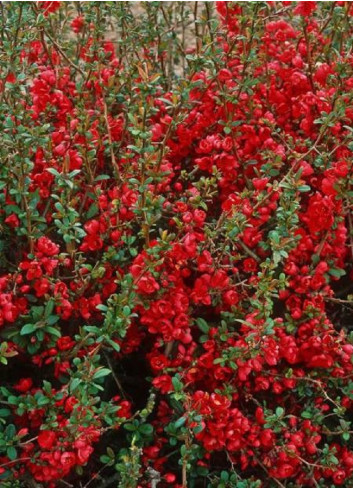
(178, 254)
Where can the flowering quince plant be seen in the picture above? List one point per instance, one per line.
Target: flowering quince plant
(176, 223)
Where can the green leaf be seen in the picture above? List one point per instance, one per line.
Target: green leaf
(201, 323)
(218, 361)
(11, 452)
(177, 384)
(53, 331)
(110, 452)
(9, 123)
(126, 311)
(224, 476)
(52, 320)
(304, 188)
(279, 411)
(10, 432)
(101, 177)
(92, 211)
(28, 329)
(337, 272)
(103, 372)
(180, 422)
(197, 429)
(42, 401)
(334, 460)
(105, 459)
(49, 308)
(74, 384)
(53, 171)
(114, 345)
(203, 471)
(146, 429)
(47, 387)
(4, 412)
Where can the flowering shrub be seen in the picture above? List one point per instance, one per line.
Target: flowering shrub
(176, 244)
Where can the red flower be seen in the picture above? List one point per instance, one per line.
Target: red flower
(49, 7)
(305, 9)
(319, 216)
(47, 247)
(147, 285)
(46, 439)
(12, 221)
(68, 460)
(24, 385)
(163, 383)
(321, 361)
(77, 23)
(65, 343)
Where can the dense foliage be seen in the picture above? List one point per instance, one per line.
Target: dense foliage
(176, 244)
